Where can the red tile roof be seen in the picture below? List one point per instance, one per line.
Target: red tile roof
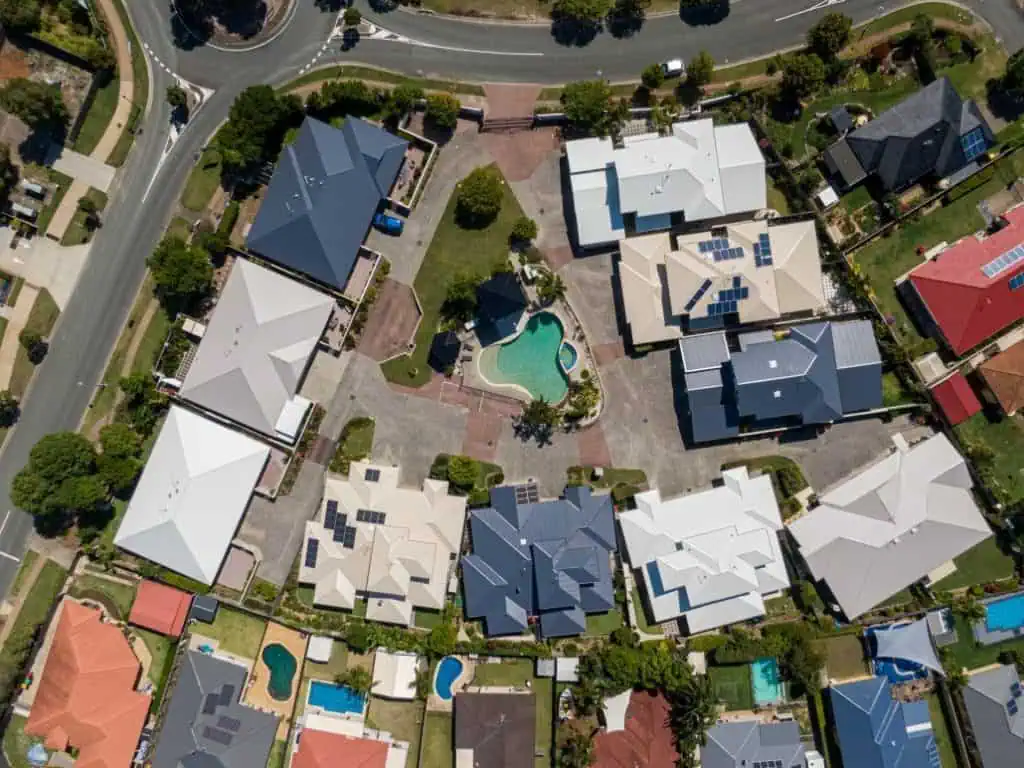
(320, 749)
(86, 697)
(967, 306)
(956, 399)
(646, 741)
(1004, 375)
(160, 608)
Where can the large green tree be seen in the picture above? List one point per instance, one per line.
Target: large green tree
(590, 108)
(479, 197)
(701, 69)
(802, 74)
(443, 110)
(20, 15)
(182, 273)
(588, 12)
(256, 126)
(38, 105)
(830, 35)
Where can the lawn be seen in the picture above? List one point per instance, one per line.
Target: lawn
(355, 444)
(906, 15)
(515, 672)
(844, 657)
(777, 200)
(140, 90)
(603, 624)
(381, 76)
(77, 232)
(893, 391)
(96, 120)
(278, 755)
(733, 686)
(17, 743)
(402, 719)
(453, 250)
(152, 342)
(940, 730)
(543, 689)
(121, 595)
(235, 632)
(27, 562)
(179, 227)
(161, 649)
(641, 614)
(425, 619)
(41, 319)
(1003, 474)
(438, 741)
(980, 564)
(970, 654)
(40, 597)
(329, 671)
(202, 181)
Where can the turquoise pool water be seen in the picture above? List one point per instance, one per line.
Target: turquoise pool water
(567, 356)
(335, 698)
(530, 360)
(448, 672)
(282, 666)
(767, 683)
(1005, 615)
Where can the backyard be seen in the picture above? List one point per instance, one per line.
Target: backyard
(733, 686)
(17, 743)
(844, 657)
(1003, 466)
(161, 650)
(543, 689)
(402, 719)
(108, 592)
(940, 730)
(438, 741)
(234, 631)
(971, 655)
(454, 250)
(980, 564)
(516, 672)
(603, 624)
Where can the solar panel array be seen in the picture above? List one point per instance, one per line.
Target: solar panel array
(698, 295)
(527, 494)
(210, 703)
(1016, 281)
(973, 144)
(227, 694)
(1003, 262)
(369, 516)
(710, 246)
(722, 308)
(217, 735)
(763, 251)
(372, 475)
(312, 550)
(767, 764)
(1015, 689)
(330, 514)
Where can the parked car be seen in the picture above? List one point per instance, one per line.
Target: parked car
(673, 68)
(390, 225)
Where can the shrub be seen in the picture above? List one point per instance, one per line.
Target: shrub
(479, 198)
(524, 230)
(653, 76)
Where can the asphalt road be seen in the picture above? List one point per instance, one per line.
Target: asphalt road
(146, 190)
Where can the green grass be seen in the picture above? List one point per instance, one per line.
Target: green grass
(844, 656)
(17, 743)
(41, 319)
(15, 292)
(381, 76)
(152, 342)
(516, 672)
(96, 120)
(202, 181)
(63, 183)
(122, 595)
(426, 619)
(140, 90)
(77, 232)
(742, 71)
(355, 444)
(972, 655)
(329, 671)
(940, 730)
(902, 597)
(1004, 473)
(27, 562)
(235, 632)
(543, 689)
(906, 16)
(161, 649)
(438, 741)
(733, 686)
(278, 754)
(453, 250)
(980, 564)
(856, 198)
(179, 227)
(893, 391)
(641, 614)
(603, 624)
(777, 200)
(41, 596)
(402, 719)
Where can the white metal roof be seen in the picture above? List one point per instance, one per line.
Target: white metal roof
(891, 524)
(394, 675)
(319, 649)
(589, 154)
(710, 556)
(595, 197)
(192, 495)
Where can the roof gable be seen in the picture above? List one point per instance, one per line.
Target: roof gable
(1004, 375)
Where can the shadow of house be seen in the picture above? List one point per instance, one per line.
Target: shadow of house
(444, 351)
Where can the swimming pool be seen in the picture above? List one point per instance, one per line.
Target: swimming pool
(767, 682)
(335, 698)
(1005, 615)
(568, 356)
(282, 666)
(448, 672)
(530, 360)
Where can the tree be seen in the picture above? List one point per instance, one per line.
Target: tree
(443, 110)
(1013, 79)
(91, 209)
(479, 197)
(442, 637)
(830, 35)
(922, 32)
(575, 749)
(463, 472)
(39, 105)
(460, 300)
(255, 128)
(524, 230)
(584, 12)
(694, 710)
(700, 69)
(20, 15)
(8, 408)
(802, 74)
(970, 609)
(177, 97)
(358, 679)
(118, 473)
(540, 414)
(589, 106)
(349, 97)
(402, 99)
(352, 17)
(80, 494)
(182, 273)
(653, 76)
(120, 441)
(8, 171)
(34, 344)
(550, 287)
(62, 455)
(359, 636)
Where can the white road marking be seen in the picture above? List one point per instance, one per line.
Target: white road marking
(10, 557)
(4, 524)
(816, 7)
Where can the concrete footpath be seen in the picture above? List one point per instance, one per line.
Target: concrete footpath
(15, 323)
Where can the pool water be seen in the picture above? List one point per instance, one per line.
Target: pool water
(567, 356)
(448, 672)
(767, 682)
(282, 666)
(335, 698)
(1005, 615)
(530, 360)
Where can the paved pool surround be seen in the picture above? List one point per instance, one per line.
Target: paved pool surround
(987, 636)
(435, 702)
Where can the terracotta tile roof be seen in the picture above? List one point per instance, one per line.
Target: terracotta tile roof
(968, 306)
(956, 399)
(320, 749)
(1004, 375)
(86, 697)
(647, 739)
(160, 608)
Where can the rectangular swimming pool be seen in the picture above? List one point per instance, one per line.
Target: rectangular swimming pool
(335, 698)
(767, 682)
(1005, 615)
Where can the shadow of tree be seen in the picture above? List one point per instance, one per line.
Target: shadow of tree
(573, 32)
(698, 13)
(624, 23)
(1005, 104)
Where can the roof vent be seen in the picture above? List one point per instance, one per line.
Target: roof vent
(522, 542)
(777, 394)
(773, 363)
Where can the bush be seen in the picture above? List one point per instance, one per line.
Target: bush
(479, 198)
(463, 472)
(524, 230)
(653, 76)
(442, 110)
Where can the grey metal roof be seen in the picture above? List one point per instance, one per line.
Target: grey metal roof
(998, 734)
(548, 559)
(841, 161)
(706, 350)
(205, 726)
(855, 344)
(748, 742)
(204, 608)
(323, 195)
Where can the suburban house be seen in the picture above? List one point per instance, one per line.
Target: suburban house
(973, 289)
(709, 558)
(740, 273)
(192, 495)
(932, 133)
(323, 749)
(1004, 376)
(700, 171)
(637, 735)
(501, 303)
(746, 743)
(495, 729)
(85, 699)
(543, 561)
(160, 608)
(394, 547)
(323, 195)
(812, 373)
(956, 399)
(902, 519)
(255, 351)
(994, 706)
(876, 731)
(205, 723)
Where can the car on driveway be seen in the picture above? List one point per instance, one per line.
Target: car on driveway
(389, 225)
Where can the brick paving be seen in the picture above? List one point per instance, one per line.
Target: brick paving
(507, 100)
(609, 352)
(483, 430)
(519, 154)
(392, 322)
(593, 447)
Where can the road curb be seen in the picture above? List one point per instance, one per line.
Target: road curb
(248, 49)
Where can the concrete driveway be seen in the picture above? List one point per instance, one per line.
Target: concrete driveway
(44, 263)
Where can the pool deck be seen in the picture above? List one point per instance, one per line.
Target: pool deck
(256, 693)
(434, 702)
(985, 636)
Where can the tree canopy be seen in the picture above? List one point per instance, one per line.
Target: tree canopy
(462, 472)
(653, 76)
(802, 74)
(1013, 79)
(38, 105)
(256, 127)
(830, 35)
(59, 481)
(589, 12)
(479, 197)
(443, 110)
(589, 106)
(701, 69)
(20, 15)
(182, 273)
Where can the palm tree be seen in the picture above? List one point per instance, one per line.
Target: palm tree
(550, 287)
(970, 609)
(694, 710)
(358, 679)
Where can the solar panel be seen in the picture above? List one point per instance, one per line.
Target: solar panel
(744, 292)
(312, 548)
(210, 703)
(330, 513)
(372, 475)
(698, 295)
(221, 737)
(1011, 706)
(973, 144)
(1003, 262)
(1016, 281)
(736, 282)
(349, 538)
(361, 515)
(339, 533)
(229, 723)
(1015, 689)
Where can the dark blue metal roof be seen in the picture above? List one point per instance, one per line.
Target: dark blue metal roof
(501, 303)
(321, 200)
